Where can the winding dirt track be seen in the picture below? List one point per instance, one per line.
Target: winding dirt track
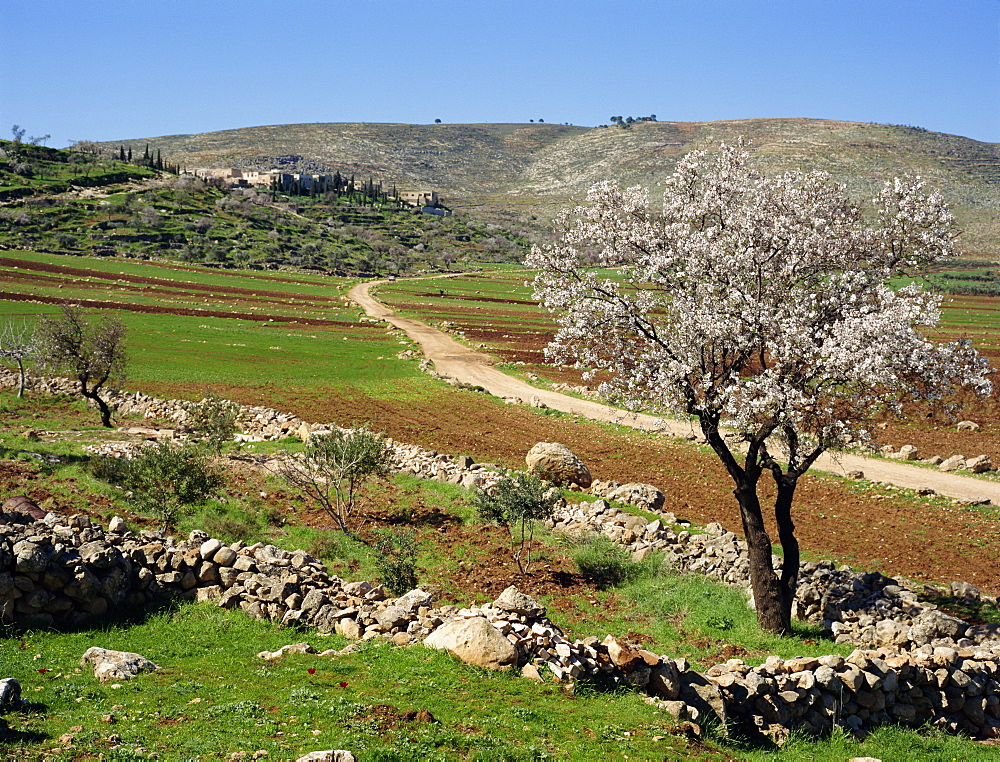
(454, 360)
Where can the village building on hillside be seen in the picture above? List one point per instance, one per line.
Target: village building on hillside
(305, 182)
(419, 198)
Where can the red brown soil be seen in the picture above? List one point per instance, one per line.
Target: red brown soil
(78, 272)
(871, 529)
(150, 309)
(877, 530)
(475, 563)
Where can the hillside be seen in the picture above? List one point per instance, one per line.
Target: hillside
(81, 203)
(526, 172)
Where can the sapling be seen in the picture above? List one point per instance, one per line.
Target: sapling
(515, 503)
(395, 555)
(334, 466)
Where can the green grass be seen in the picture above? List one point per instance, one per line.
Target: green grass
(214, 697)
(181, 350)
(889, 743)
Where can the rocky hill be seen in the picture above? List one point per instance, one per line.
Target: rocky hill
(526, 172)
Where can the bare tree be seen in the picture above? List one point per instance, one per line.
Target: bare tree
(20, 344)
(92, 353)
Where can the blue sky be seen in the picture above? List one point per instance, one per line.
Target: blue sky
(101, 70)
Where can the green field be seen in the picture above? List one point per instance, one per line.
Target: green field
(338, 368)
(503, 300)
(277, 349)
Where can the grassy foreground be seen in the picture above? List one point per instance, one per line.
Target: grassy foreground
(215, 699)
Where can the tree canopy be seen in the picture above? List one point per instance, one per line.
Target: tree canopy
(761, 304)
(93, 354)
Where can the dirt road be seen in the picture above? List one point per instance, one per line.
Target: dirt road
(454, 360)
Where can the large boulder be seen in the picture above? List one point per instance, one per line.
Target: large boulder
(557, 463)
(474, 641)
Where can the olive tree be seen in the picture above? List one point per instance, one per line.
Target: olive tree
(761, 304)
(162, 480)
(334, 465)
(515, 503)
(92, 353)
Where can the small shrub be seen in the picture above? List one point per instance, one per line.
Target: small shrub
(605, 563)
(517, 501)
(326, 546)
(214, 420)
(396, 559)
(239, 711)
(162, 481)
(229, 527)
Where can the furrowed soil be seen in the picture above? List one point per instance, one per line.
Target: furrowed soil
(870, 527)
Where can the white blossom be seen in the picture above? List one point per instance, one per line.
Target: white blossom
(763, 300)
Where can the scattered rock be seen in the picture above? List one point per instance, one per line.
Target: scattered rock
(10, 693)
(530, 671)
(514, 600)
(333, 755)
(954, 463)
(116, 665)
(644, 496)
(414, 599)
(967, 426)
(979, 464)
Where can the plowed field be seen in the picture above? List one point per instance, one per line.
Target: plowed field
(870, 527)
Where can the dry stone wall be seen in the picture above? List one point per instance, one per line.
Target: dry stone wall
(914, 663)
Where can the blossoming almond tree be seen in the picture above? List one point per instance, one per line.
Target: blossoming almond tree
(758, 304)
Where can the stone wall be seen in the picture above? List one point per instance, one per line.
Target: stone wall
(915, 664)
(63, 571)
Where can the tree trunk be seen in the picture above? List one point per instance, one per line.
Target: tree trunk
(21, 380)
(789, 545)
(102, 406)
(767, 594)
(763, 579)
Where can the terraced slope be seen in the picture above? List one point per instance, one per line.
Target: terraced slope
(529, 171)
